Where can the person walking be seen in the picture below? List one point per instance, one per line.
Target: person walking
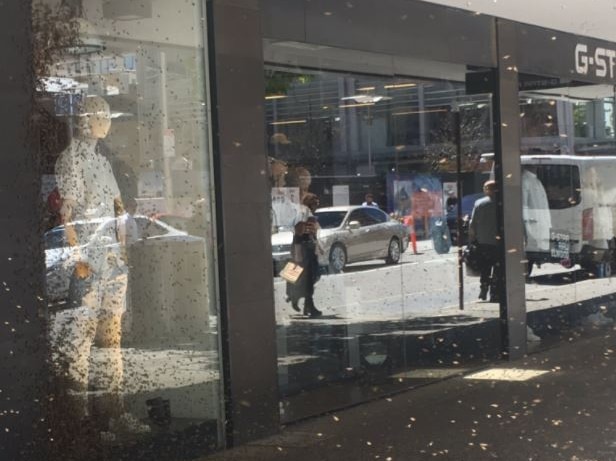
(483, 230)
(304, 252)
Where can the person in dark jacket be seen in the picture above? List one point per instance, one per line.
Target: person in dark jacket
(483, 230)
(304, 253)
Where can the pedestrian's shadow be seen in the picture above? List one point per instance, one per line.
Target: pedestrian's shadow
(566, 278)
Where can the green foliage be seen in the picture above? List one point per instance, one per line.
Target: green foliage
(278, 83)
(54, 29)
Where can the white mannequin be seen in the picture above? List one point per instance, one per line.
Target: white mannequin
(90, 191)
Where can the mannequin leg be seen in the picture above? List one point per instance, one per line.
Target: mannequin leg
(108, 352)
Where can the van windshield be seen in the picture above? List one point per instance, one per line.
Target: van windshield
(561, 183)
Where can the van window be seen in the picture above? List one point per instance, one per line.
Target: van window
(561, 183)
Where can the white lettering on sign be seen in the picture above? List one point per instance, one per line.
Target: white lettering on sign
(601, 63)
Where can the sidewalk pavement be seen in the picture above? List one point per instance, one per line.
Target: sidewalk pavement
(567, 413)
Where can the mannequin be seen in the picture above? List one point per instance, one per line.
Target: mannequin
(285, 200)
(90, 192)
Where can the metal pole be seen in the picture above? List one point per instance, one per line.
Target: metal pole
(164, 113)
(369, 142)
(458, 140)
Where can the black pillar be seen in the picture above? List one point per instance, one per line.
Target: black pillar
(22, 372)
(244, 230)
(508, 176)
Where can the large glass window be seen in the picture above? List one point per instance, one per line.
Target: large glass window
(127, 190)
(374, 180)
(569, 183)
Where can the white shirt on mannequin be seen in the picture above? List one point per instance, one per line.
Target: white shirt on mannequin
(85, 177)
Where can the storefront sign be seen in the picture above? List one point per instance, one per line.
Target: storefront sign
(549, 54)
(599, 62)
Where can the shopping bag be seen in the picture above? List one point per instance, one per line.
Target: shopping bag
(291, 272)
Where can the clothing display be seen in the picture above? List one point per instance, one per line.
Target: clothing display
(87, 184)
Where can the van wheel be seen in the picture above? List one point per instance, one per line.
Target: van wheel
(603, 270)
(599, 270)
(393, 251)
(337, 258)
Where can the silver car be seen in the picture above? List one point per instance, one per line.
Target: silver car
(350, 234)
(60, 257)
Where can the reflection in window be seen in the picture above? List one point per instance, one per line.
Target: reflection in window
(330, 219)
(381, 156)
(132, 312)
(561, 183)
(568, 194)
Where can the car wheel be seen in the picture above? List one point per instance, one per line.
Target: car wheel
(337, 258)
(393, 251)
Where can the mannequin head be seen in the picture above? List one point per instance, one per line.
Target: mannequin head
(94, 119)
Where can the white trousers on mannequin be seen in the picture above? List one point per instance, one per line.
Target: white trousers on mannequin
(88, 336)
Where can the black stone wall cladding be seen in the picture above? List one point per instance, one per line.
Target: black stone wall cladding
(392, 27)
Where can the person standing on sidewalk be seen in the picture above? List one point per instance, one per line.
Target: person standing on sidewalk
(304, 252)
(484, 231)
(370, 201)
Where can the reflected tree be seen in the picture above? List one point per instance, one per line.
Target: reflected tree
(475, 138)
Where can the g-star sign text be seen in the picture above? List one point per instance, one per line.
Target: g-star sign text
(602, 61)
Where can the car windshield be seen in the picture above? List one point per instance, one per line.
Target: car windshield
(330, 219)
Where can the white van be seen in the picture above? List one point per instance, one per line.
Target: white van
(578, 226)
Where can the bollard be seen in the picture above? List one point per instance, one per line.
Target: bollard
(409, 222)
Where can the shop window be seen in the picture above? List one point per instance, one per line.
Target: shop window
(123, 131)
(379, 298)
(568, 182)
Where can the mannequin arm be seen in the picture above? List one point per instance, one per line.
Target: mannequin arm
(118, 206)
(66, 215)
(82, 268)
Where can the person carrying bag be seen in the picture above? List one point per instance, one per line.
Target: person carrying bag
(304, 256)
